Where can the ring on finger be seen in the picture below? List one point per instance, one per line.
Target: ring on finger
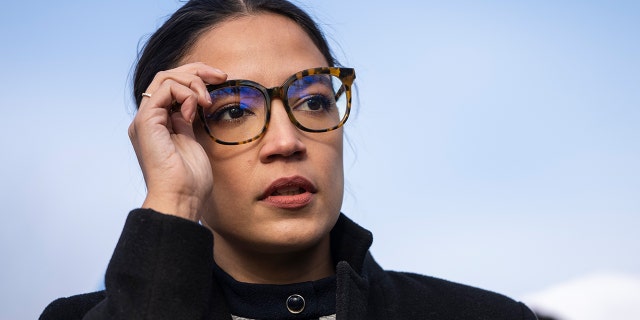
(148, 95)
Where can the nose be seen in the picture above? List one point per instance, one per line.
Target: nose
(282, 139)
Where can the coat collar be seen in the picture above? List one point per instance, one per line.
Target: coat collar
(355, 266)
(350, 243)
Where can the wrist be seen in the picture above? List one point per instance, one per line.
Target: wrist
(187, 207)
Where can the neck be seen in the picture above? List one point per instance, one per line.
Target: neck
(245, 264)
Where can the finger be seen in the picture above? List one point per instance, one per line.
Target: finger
(188, 80)
(208, 74)
(194, 75)
(168, 94)
(181, 126)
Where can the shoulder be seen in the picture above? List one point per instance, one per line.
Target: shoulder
(74, 307)
(413, 282)
(450, 300)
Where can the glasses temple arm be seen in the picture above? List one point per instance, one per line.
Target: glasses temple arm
(340, 92)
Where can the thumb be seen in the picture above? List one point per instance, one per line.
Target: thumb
(182, 120)
(182, 126)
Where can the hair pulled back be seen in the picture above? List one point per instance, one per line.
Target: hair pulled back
(173, 40)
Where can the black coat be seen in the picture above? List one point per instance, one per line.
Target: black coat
(162, 269)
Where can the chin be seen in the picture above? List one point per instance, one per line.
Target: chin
(293, 238)
(290, 235)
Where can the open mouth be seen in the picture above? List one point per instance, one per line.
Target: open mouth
(289, 193)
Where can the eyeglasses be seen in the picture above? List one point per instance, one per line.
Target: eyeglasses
(316, 100)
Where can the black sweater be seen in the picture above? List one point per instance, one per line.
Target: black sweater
(162, 268)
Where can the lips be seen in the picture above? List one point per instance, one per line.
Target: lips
(289, 193)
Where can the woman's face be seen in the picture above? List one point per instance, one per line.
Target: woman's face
(283, 192)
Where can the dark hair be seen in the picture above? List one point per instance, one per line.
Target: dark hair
(179, 33)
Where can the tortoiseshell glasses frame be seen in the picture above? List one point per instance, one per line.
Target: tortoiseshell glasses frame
(234, 89)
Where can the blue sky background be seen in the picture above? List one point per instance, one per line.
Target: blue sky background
(496, 143)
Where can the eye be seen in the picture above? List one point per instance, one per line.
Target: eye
(314, 103)
(232, 112)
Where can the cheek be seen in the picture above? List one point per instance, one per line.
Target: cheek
(230, 196)
(330, 164)
(337, 160)
(231, 168)
(337, 146)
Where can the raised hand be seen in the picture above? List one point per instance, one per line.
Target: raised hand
(176, 168)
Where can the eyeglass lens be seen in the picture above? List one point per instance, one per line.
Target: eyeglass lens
(238, 113)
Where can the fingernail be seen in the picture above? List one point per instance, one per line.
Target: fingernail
(218, 70)
(193, 117)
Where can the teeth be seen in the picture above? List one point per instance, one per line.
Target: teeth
(289, 191)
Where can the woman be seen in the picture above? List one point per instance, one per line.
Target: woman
(245, 182)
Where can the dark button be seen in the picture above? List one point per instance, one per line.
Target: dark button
(295, 303)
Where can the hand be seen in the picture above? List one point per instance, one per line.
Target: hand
(176, 168)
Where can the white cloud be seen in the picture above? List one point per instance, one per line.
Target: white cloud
(601, 296)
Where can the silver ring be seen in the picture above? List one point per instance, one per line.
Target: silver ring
(148, 95)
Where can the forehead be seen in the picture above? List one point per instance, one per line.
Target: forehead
(266, 48)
